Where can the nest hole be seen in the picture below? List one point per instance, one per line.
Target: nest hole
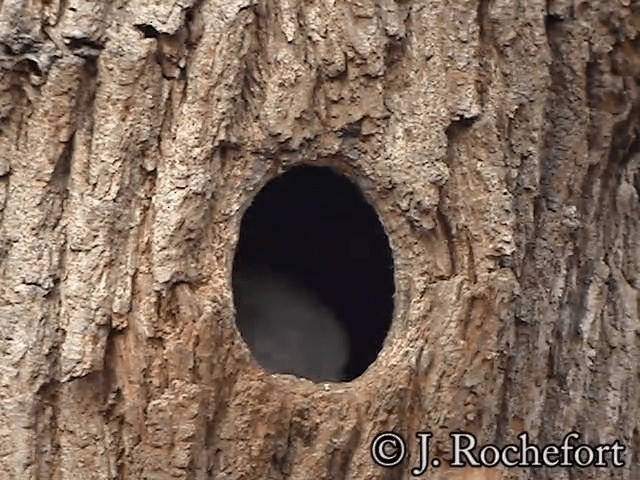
(312, 251)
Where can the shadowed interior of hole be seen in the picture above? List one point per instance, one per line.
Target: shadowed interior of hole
(314, 225)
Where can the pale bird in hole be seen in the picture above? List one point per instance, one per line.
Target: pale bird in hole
(287, 327)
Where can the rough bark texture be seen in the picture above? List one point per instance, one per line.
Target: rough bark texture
(497, 140)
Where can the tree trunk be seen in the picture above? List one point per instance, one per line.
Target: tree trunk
(498, 142)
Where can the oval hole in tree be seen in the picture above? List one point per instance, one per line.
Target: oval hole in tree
(313, 279)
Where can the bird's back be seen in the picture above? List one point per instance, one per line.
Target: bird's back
(288, 329)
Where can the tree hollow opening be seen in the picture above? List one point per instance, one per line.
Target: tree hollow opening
(313, 279)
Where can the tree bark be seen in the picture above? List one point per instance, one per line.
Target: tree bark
(497, 140)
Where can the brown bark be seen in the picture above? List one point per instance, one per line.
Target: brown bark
(498, 141)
